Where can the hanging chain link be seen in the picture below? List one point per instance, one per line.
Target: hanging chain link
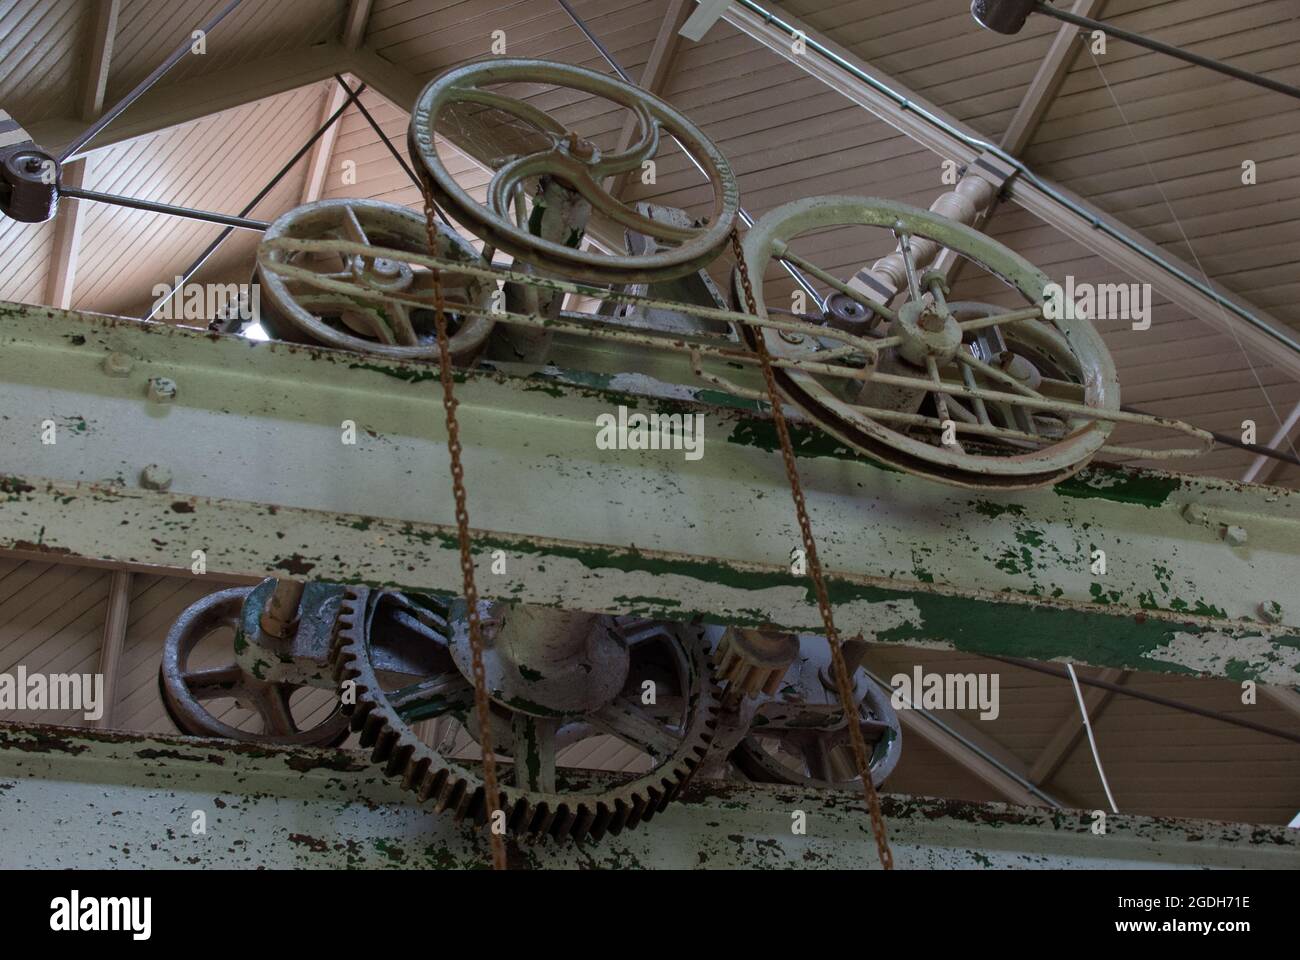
(842, 681)
(491, 795)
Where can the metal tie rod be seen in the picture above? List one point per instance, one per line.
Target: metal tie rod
(244, 223)
(1008, 16)
(262, 194)
(158, 73)
(745, 218)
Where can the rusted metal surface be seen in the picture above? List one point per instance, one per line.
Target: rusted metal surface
(137, 797)
(263, 485)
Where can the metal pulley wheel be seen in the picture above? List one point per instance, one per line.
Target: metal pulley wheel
(539, 704)
(961, 396)
(29, 188)
(369, 304)
(185, 689)
(800, 736)
(546, 147)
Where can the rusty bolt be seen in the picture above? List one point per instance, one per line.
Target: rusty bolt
(1271, 611)
(1194, 513)
(155, 477)
(162, 390)
(1234, 535)
(117, 364)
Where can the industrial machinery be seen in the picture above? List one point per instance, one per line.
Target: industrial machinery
(687, 696)
(882, 370)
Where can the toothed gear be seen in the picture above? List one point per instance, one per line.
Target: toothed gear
(451, 786)
(754, 661)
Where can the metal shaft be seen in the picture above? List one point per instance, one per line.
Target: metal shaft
(1169, 50)
(158, 73)
(188, 213)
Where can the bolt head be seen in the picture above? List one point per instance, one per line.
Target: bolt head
(155, 477)
(1271, 611)
(162, 390)
(1234, 535)
(117, 364)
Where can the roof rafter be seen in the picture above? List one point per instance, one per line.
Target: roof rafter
(62, 271)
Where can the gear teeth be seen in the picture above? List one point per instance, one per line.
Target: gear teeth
(422, 770)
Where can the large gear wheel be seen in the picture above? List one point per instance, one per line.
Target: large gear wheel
(383, 718)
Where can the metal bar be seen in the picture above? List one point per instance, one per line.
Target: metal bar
(151, 206)
(263, 485)
(1102, 684)
(379, 131)
(157, 74)
(1160, 47)
(1232, 441)
(1279, 438)
(306, 808)
(745, 218)
(262, 194)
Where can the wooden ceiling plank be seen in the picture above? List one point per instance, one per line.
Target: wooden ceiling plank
(1067, 735)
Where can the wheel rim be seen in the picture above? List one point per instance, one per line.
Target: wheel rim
(697, 247)
(840, 417)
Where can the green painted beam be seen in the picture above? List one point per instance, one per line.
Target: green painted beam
(262, 483)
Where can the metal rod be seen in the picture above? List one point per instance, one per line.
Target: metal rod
(158, 73)
(1231, 441)
(745, 218)
(1149, 697)
(379, 131)
(188, 213)
(1048, 189)
(1165, 48)
(262, 194)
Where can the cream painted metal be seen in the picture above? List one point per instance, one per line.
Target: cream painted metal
(308, 808)
(262, 482)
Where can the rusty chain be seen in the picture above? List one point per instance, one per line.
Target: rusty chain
(491, 795)
(842, 681)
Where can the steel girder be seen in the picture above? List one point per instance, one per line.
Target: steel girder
(257, 477)
(297, 807)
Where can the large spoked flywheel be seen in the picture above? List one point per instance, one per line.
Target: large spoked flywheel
(969, 394)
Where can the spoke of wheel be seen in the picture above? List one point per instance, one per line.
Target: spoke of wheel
(628, 722)
(533, 749)
(940, 398)
(213, 681)
(352, 226)
(272, 703)
(816, 755)
(400, 321)
(993, 373)
(905, 248)
(981, 411)
(997, 319)
(432, 697)
(879, 309)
